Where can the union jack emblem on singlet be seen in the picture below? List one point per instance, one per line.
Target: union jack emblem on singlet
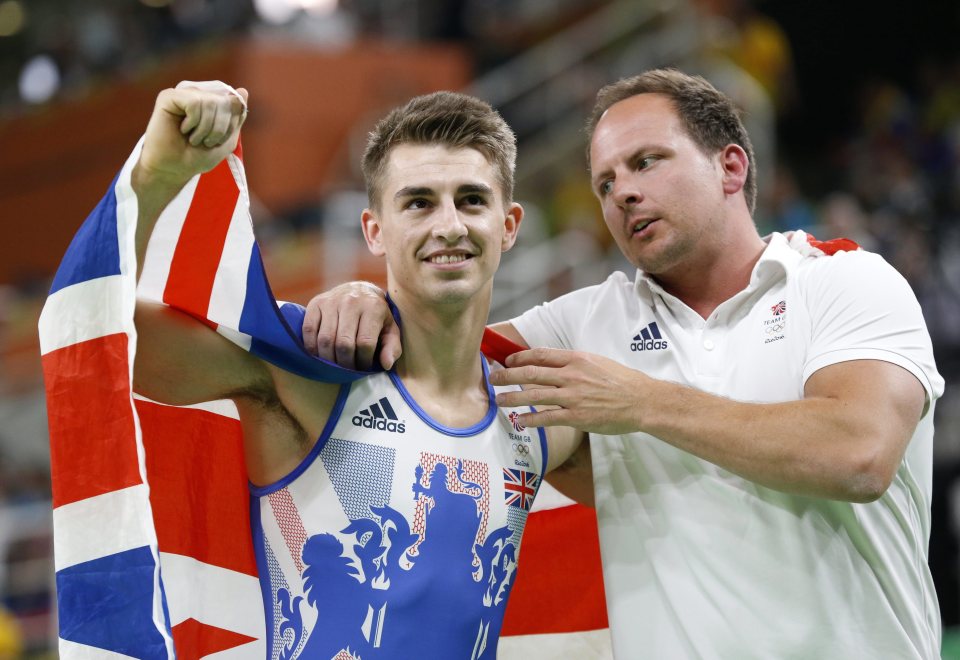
(519, 488)
(515, 420)
(779, 308)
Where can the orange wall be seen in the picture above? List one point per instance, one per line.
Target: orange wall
(57, 162)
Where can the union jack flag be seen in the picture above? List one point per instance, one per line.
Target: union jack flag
(515, 420)
(141, 473)
(779, 308)
(519, 488)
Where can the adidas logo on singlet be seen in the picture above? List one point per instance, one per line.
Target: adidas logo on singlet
(379, 416)
(649, 339)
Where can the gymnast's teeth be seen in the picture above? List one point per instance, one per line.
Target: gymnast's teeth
(448, 258)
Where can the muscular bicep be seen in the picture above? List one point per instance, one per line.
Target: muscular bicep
(181, 361)
(562, 443)
(878, 403)
(569, 467)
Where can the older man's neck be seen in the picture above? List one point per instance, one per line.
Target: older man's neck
(703, 284)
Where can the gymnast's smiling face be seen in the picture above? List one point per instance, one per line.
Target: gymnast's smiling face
(442, 224)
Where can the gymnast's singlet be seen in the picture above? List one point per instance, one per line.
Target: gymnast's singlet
(396, 537)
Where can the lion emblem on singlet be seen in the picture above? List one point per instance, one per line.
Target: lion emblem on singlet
(397, 588)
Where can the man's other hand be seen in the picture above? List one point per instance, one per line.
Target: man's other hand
(574, 388)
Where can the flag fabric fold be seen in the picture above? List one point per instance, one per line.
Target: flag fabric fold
(153, 551)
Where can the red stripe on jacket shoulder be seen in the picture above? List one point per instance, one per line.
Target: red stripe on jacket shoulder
(833, 246)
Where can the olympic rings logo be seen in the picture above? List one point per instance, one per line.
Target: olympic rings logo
(777, 327)
(521, 448)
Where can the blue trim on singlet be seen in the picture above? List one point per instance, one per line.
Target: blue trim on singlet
(394, 312)
(260, 491)
(450, 430)
(543, 450)
(259, 550)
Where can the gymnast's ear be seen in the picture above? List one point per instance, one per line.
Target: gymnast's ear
(372, 232)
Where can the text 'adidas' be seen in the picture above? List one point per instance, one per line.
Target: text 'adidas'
(649, 339)
(379, 416)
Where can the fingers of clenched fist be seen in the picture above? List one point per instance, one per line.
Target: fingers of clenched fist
(192, 129)
(213, 112)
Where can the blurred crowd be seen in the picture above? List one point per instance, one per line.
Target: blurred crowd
(891, 182)
(26, 564)
(891, 185)
(53, 49)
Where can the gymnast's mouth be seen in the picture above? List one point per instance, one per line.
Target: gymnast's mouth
(450, 258)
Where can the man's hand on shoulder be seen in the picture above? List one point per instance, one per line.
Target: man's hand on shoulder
(193, 127)
(345, 325)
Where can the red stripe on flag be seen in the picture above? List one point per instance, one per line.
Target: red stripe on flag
(200, 245)
(559, 584)
(198, 485)
(92, 435)
(498, 347)
(194, 640)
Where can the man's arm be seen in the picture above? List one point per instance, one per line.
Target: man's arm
(844, 440)
(181, 361)
(346, 324)
(191, 130)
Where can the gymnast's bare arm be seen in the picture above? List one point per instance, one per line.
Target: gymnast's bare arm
(182, 361)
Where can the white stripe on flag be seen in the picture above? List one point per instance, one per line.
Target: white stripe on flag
(586, 645)
(213, 595)
(101, 526)
(239, 171)
(223, 407)
(163, 242)
(241, 339)
(81, 312)
(75, 651)
(127, 216)
(230, 282)
(549, 497)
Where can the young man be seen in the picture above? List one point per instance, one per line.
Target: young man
(760, 409)
(387, 514)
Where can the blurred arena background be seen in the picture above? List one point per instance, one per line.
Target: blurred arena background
(854, 108)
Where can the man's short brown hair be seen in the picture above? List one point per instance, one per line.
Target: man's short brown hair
(446, 118)
(709, 116)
